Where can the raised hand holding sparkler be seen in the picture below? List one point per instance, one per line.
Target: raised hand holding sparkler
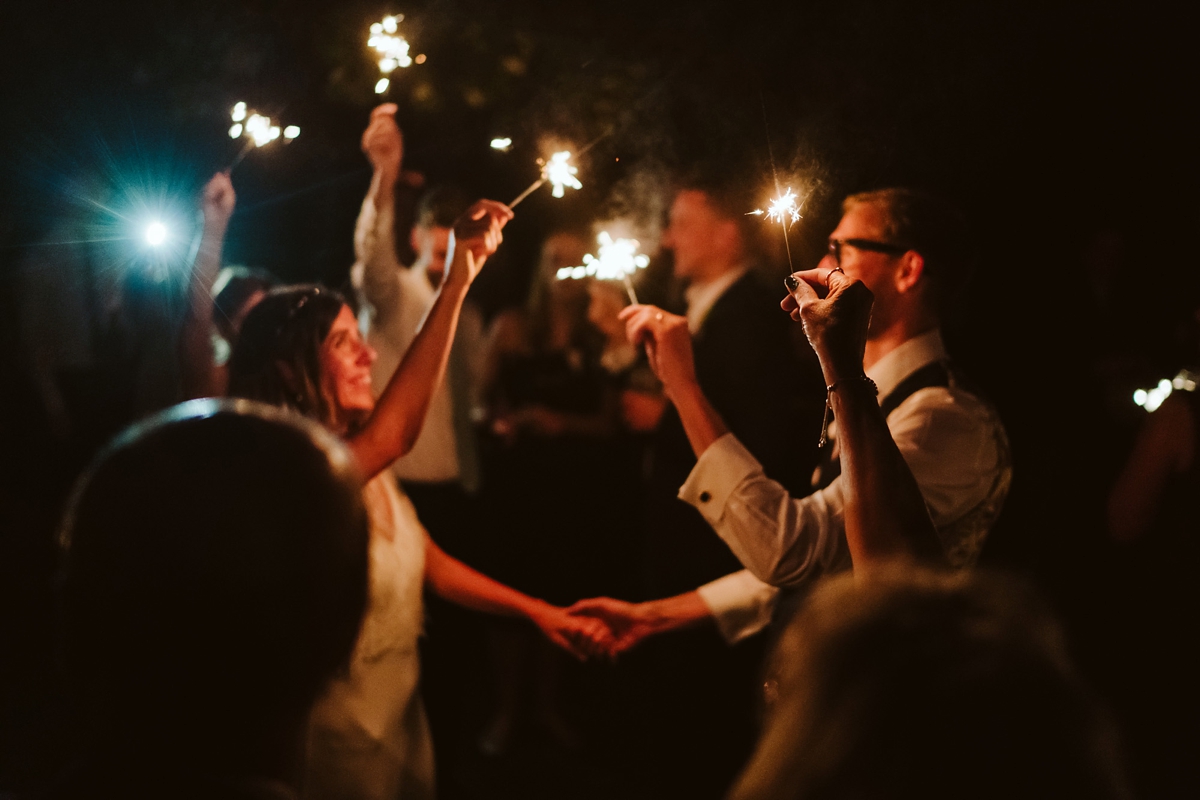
(559, 172)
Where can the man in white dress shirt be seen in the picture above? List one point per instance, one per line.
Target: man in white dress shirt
(906, 247)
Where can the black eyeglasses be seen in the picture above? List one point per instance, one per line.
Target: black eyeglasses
(835, 247)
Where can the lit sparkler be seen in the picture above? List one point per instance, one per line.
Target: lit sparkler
(392, 48)
(786, 212)
(559, 172)
(256, 129)
(618, 259)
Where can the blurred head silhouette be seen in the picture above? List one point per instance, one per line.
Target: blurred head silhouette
(215, 577)
(913, 683)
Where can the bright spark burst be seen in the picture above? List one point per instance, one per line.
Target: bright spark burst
(257, 128)
(560, 173)
(391, 47)
(617, 259)
(783, 209)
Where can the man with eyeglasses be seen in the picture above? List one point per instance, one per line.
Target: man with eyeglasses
(909, 249)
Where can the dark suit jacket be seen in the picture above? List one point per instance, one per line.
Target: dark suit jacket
(749, 370)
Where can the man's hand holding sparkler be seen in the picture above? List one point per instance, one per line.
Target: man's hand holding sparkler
(668, 345)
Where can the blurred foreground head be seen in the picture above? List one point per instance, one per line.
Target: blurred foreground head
(215, 578)
(922, 684)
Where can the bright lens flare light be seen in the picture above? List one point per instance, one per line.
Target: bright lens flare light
(560, 173)
(391, 47)
(156, 234)
(618, 260)
(502, 144)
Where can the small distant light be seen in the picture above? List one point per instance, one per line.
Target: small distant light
(239, 112)
(502, 144)
(156, 234)
(1140, 396)
(274, 132)
(236, 130)
(382, 85)
(291, 132)
(389, 24)
(420, 59)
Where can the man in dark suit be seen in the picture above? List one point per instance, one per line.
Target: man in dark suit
(699, 680)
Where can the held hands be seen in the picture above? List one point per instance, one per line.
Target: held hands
(382, 140)
(836, 324)
(629, 623)
(218, 200)
(582, 637)
(475, 236)
(668, 344)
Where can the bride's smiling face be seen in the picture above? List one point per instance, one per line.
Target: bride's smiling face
(346, 365)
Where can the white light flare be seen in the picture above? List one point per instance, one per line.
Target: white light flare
(156, 234)
(783, 209)
(239, 112)
(236, 130)
(560, 173)
(1152, 399)
(502, 144)
(617, 259)
(291, 132)
(391, 47)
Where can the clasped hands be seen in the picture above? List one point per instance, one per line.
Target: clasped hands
(602, 626)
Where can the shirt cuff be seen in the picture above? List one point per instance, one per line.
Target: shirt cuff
(740, 603)
(718, 471)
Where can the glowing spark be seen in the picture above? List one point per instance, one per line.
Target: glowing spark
(784, 207)
(560, 173)
(156, 234)
(502, 144)
(618, 259)
(1151, 399)
(391, 47)
(256, 129)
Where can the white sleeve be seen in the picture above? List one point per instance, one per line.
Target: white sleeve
(783, 541)
(740, 603)
(374, 273)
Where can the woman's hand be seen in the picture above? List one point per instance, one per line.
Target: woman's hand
(582, 637)
(475, 236)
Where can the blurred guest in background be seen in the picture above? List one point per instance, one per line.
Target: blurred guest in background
(1152, 515)
(551, 411)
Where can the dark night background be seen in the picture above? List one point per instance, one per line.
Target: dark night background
(1060, 129)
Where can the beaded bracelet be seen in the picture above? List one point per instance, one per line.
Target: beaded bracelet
(829, 407)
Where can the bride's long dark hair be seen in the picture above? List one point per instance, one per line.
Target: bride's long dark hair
(277, 358)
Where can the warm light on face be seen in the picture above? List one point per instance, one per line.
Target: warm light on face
(156, 234)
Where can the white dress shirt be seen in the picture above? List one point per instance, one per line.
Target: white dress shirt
(701, 297)
(952, 441)
(399, 298)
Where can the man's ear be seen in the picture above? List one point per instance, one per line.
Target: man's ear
(912, 267)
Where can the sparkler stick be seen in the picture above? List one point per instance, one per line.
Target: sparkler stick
(559, 172)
